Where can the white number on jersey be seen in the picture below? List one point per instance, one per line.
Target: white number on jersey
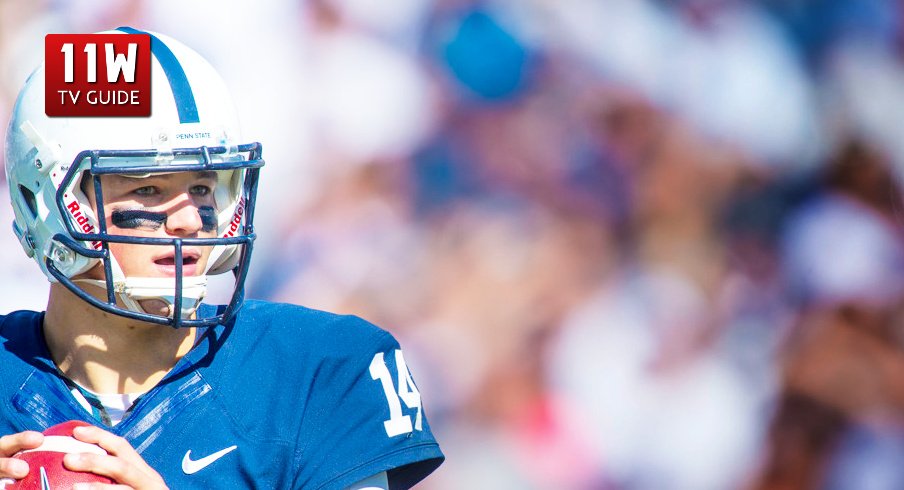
(398, 422)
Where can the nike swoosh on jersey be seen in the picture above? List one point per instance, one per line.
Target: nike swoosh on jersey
(190, 466)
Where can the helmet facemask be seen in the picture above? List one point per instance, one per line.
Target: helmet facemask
(88, 236)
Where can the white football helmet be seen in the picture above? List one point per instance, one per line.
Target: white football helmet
(192, 127)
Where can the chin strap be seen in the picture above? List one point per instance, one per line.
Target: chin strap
(132, 290)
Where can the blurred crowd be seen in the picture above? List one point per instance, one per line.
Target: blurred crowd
(627, 244)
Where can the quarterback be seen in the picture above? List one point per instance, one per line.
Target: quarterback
(128, 217)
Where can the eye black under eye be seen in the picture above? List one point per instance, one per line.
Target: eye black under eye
(208, 218)
(137, 218)
(142, 218)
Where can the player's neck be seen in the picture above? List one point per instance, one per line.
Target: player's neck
(107, 353)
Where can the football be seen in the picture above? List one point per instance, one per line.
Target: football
(46, 461)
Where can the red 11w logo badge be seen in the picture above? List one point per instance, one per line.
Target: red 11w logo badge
(97, 75)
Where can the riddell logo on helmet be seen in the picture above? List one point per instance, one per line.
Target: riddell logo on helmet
(236, 219)
(97, 75)
(83, 222)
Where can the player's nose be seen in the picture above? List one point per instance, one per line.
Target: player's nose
(184, 219)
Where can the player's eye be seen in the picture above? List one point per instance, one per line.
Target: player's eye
(200, 190)
(147, 190)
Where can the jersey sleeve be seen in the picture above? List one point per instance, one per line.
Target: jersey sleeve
(365, 414)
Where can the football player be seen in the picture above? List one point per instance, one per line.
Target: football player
(127, 218)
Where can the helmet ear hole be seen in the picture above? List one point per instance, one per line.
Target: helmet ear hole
(30, 201)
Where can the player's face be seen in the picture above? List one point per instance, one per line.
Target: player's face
(174, 205)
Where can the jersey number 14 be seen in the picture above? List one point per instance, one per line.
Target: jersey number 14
(398, 422)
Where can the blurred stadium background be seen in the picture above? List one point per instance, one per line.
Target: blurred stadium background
(628, 244)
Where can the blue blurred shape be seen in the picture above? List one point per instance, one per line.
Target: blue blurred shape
(485, 58)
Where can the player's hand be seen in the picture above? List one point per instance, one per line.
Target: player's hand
(11, 444)
(123, 464)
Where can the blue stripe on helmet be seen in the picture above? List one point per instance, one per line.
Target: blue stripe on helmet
(185, 98)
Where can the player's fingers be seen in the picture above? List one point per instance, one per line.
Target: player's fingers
(124, 465)
(113, 444)
(13, 443)
(13, 468)
(116, 468)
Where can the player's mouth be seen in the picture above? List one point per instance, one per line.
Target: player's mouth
(167, 263)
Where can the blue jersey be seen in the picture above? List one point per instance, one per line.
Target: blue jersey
(281, 397)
